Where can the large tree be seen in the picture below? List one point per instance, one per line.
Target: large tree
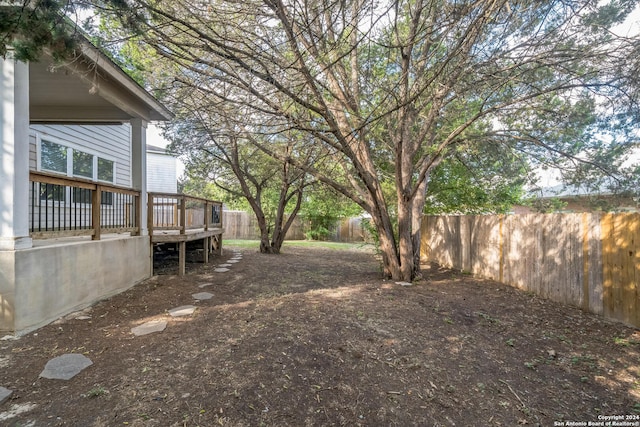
(29, 26)
(392, 89)
(230, 160)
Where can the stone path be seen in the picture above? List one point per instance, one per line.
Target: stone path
(5, 394)
(183, 310)
(69, 365)
(149, 327)
(202, 296)
(65, 367)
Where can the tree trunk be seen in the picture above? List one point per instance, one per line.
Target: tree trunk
(265, 242)
(403, 263)
(387, 242)
(405, 242)
(416, 225)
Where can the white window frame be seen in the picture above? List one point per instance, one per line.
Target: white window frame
(70, 148)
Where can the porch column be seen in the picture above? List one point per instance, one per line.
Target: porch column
(14, 155)
(139, 167)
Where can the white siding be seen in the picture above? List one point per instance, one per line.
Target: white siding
(161, 173)
(108, 141)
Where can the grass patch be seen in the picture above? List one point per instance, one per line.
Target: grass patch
(326, 245)
(255, 244)
(235, 243)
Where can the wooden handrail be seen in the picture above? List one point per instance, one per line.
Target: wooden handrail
(175, 212)
(64, 215)
(176, 195)
(50, 178)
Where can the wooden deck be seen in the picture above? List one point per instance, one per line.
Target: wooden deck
(179, 219)
(211, 243)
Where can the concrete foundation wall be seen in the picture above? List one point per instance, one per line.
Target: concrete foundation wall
(51, 281)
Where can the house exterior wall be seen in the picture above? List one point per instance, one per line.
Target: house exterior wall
(161, 173)
(40, 284)
(108, 141)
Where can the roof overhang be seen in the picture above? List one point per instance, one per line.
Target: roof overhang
(89, 88)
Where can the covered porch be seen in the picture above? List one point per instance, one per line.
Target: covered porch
(71, 232)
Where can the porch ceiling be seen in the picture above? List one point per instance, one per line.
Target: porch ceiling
(90, 88)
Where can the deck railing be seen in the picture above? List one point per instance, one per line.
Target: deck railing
(60, 206)
(181, 212)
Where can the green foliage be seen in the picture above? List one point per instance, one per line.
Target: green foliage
(28, 28)
(475, 183)
(137, 59)
(546, 205)
(194, 185)
(322, 209)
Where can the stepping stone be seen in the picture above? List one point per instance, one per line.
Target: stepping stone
(184, 310)
(233, 261)
(404, 283)
(220, 270)
(5, 394)
(149, 327)
(204, 285)
(202, 295)
(65, 367)
(224, 265)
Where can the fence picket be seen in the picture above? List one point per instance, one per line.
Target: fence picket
(588, 260)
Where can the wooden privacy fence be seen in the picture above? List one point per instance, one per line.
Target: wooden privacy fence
(589, 260)
(243, 225)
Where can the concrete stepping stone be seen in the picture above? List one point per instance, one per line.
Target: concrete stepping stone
(404, 283)
(202, 295)
(233, 261)
(184, 310)
(149, 327)
(204, 285)
(221, 270)
(65, 367)
(5, 394)
(224, 265)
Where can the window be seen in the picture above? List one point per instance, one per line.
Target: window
(81, 195)
(52, 193)
(58, 158)
(82, 164)
(53, 157)
(105, 170)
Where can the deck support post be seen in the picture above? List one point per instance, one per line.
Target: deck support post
(182, 258)
(207, 247)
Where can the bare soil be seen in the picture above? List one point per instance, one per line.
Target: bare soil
(316, 337)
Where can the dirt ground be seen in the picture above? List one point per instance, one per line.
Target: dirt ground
(316, 337)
